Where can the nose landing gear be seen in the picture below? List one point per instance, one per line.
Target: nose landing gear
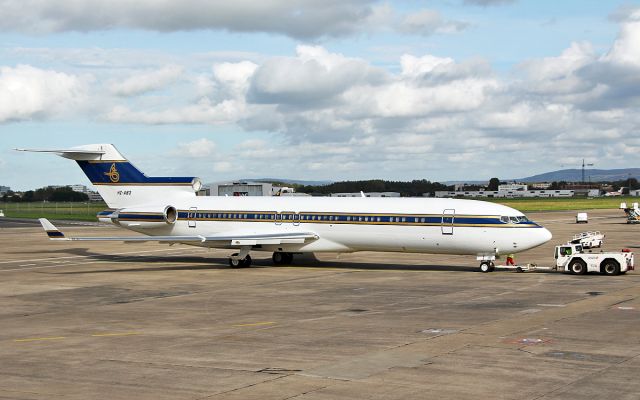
(487, 266)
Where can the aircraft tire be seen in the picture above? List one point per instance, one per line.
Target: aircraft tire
(237, 263)
(282, 258)
(485, 267)
(278, 258)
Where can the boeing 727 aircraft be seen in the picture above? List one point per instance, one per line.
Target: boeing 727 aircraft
(167, 210)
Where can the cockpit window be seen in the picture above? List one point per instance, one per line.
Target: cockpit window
(514, 220)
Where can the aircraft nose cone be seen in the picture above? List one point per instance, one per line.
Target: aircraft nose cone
(545, 236)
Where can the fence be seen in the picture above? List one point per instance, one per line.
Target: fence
(61, 210)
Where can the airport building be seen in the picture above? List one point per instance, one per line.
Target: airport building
(367, 194)
(512, 187)
(4, 190)
(244, 189)
(507, 193)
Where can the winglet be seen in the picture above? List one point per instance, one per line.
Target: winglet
(53, 232)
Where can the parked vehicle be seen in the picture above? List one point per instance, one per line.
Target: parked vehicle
(582, 218)
(588, 240)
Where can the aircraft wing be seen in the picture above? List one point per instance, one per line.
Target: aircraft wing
(229, 239)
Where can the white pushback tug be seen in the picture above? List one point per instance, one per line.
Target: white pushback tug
(572, 258)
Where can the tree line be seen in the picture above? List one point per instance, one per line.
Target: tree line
(48, 193)
(414, 188)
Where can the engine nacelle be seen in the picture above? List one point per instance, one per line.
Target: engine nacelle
(140, 218)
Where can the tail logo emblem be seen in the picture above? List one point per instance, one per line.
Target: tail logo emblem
(113, 174)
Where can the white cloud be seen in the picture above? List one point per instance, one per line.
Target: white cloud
(302, 19)
(203, 112)
(196, 149)
(423, 115)
(314, 76)
(234, 78)
(428, 22)
(146, 81)
(223, 166)
(27, 93)
(626, 49)
(486, 3)
(559, 75)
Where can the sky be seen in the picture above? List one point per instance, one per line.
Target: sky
(320, 90)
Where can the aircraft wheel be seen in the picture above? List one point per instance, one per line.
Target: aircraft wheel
(485, 267)
(238, 263)
(281, 258)
(247, 261)
(278, 258)
(288, 258)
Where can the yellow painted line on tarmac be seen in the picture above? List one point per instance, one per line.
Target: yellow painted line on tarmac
(39, 339)
(255, 324)
(116, 334)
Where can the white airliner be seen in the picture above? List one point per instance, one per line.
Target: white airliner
(167, 210)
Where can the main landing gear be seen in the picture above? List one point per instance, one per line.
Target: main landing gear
(281, 258)
(487, 266)
(243, 259)
(236, 262)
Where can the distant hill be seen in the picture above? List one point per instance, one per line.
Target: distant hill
(575, 175)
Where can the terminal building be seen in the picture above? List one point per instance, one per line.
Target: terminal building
(4, 190)
(246, 189)
(507, 191)
(367, 194)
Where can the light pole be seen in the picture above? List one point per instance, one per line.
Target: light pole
(583, 165)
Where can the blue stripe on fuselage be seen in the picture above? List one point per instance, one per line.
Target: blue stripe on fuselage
(373, 219)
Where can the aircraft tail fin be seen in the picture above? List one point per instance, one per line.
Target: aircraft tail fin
(119, 182)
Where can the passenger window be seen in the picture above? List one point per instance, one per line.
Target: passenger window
(404, 219)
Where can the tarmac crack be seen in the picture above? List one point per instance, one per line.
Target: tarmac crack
(243, 387)
(304, 393)
(585, 377)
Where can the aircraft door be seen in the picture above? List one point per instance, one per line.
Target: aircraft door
(278, 218)
(191, 217)
(296, 219)
(448, 216)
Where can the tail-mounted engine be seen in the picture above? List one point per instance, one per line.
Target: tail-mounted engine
(140, 218)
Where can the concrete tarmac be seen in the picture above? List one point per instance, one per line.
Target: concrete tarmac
(149, 321)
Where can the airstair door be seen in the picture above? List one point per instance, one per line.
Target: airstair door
(191, 217)
(448, 216)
